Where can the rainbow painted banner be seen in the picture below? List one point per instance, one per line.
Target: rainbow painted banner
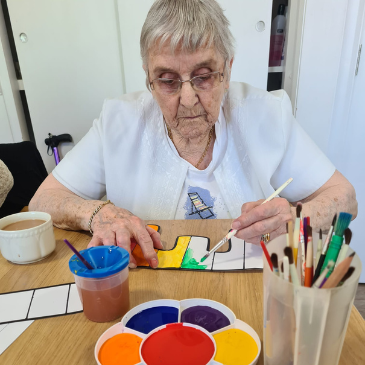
(188, 251)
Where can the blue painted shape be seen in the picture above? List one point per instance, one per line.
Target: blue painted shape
(151, 318)
(208, 200)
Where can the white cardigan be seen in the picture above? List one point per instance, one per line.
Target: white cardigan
(126, 155)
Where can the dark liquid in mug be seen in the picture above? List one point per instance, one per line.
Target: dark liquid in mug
(106, 305)
(28, 223)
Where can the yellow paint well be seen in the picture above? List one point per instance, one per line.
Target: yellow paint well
(235, 347)
(174, 257)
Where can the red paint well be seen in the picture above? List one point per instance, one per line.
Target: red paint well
(179, 345)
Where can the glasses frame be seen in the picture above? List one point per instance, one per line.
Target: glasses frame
(221, 74)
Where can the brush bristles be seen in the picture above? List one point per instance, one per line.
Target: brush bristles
(282, 267)
(343, 222)
(309, 231)
(348, 274)
(289, 252)
(334, 220)
(287, 227)
(274, 260)
(348, 236)
(320, 234)
(204, 258)
(299, 210)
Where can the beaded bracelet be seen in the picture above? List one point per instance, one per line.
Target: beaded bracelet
(95, 212)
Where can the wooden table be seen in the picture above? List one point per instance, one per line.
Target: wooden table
(71, 339)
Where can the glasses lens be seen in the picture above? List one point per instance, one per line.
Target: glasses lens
(206, 82)
(166, 86)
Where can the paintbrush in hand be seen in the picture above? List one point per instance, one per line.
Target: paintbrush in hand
(234, 231)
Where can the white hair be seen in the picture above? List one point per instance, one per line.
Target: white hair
(189, 24)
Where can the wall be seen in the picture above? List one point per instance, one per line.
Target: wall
(346, 146)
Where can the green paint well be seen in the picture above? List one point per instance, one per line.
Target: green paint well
(190, 263)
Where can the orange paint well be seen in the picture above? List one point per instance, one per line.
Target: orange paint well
(121, 349)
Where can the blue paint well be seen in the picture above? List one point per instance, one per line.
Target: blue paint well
(151, 318)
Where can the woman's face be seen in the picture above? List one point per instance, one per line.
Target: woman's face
(190, 113)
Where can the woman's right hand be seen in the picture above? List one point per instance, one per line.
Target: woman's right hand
(119, 227)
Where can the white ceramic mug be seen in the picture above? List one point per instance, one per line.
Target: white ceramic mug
(27, 245)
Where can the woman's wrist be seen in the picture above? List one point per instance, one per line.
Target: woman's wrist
(95, 212)
(85, 210)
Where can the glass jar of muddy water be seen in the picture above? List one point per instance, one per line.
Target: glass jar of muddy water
(104, 291)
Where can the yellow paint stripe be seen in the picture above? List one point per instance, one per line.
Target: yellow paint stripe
(174, 257)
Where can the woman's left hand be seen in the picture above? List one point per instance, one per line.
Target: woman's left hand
(257, 219)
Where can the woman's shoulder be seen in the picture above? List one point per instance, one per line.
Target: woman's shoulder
(129, 110)
(254, 113)
(240, 91)
(256, 103)
(128, 102)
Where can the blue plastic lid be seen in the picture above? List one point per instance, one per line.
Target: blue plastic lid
(107, 260)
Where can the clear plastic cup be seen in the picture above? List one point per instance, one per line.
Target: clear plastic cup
(305, 326)
(104, 291)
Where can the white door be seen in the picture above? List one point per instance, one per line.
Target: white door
(70, 59)
(250, 25)
(354, 153)
(312, 70)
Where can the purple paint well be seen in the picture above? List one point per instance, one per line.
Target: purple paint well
(209, 318)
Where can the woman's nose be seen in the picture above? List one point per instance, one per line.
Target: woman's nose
(188, 96)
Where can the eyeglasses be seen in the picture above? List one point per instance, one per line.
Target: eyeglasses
(204, 82)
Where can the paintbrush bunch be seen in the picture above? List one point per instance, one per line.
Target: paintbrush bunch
(326, 267)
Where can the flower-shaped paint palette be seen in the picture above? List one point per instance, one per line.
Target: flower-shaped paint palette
(191, 331)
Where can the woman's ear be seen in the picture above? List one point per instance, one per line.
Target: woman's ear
(145, 68)
(229, 70)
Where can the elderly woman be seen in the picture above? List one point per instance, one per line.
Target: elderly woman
(195, 146)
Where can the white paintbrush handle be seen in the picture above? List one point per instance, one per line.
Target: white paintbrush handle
(326, 242)
(286, 268)
(321, 277)
(223, 241)
(234, 231)
(294, 275)
(343, 253)
(319, 251)
(277, 192)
